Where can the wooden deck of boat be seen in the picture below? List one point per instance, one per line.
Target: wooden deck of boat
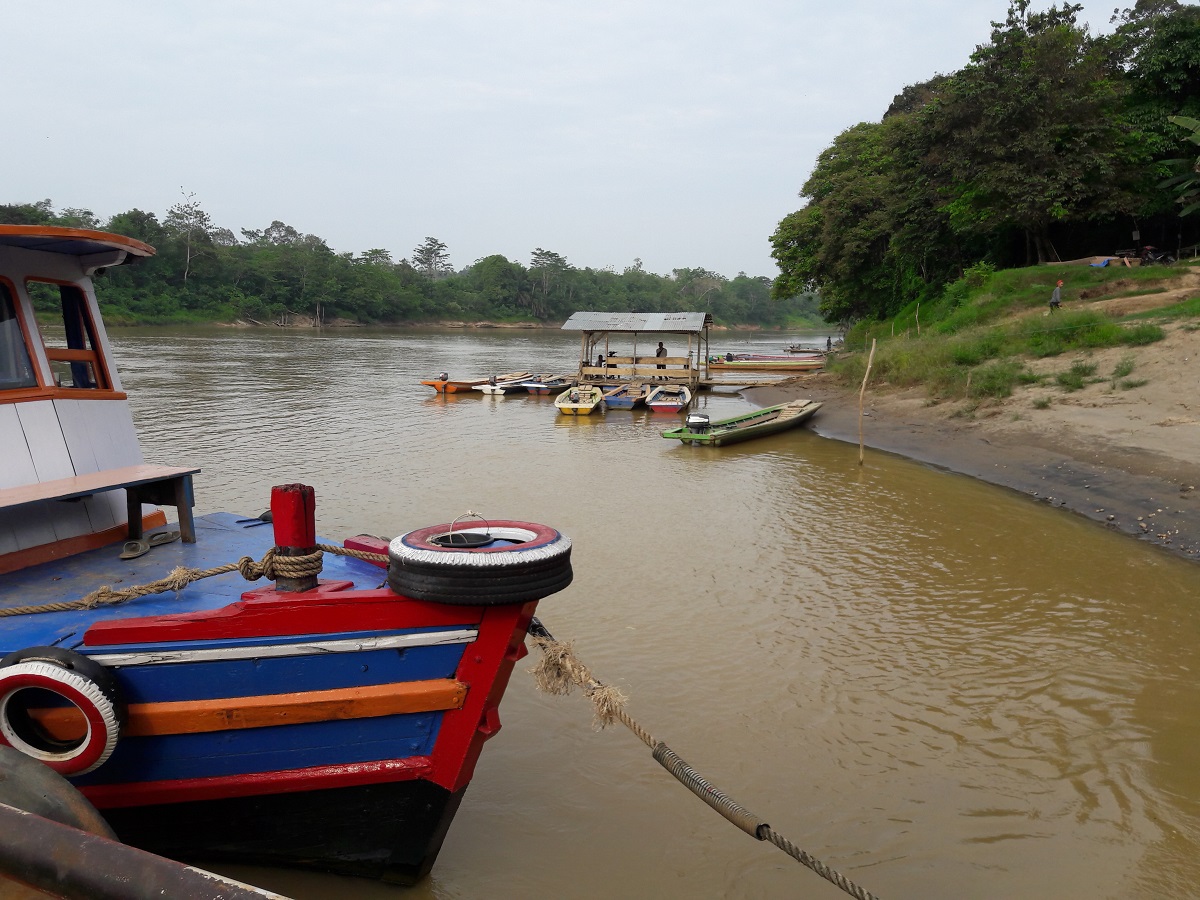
(793, 409)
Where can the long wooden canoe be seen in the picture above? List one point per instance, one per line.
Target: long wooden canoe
(758, 423)
(800, 364)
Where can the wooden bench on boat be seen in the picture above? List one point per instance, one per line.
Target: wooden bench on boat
(159, 485)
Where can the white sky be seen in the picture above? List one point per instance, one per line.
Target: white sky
(677, 131)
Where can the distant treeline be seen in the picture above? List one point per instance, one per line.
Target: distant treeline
(1051, 144)
(204, 273)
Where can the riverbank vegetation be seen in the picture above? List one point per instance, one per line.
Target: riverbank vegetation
(276, 275)
(1051, 144)
(977, 340)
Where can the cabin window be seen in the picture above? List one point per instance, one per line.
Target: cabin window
(16, 367)
(74, 355)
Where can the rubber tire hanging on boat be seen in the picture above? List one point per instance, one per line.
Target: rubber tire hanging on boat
(80, 681)
(492, 574)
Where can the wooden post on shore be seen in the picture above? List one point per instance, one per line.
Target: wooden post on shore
(861, 393)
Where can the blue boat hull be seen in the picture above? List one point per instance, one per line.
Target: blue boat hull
(335, 729)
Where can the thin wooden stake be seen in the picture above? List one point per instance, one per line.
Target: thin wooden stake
(861, 393)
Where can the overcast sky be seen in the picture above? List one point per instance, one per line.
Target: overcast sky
(674, 131)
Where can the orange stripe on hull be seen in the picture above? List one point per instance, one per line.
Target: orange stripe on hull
(229, 713)
(232, 713)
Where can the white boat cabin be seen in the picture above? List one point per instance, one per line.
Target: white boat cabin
(63, 413)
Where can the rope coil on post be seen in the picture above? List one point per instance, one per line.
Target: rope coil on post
(559, 671)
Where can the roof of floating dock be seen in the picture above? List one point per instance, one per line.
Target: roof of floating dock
(676, 322)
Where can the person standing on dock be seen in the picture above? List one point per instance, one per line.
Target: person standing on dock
(660, 352)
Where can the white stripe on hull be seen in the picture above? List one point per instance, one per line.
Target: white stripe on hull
(310, 648)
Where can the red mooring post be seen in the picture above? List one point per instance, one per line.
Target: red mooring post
(294, 513)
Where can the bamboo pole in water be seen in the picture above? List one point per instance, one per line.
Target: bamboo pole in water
(861, 393)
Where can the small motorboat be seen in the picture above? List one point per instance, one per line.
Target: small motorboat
(669, 398)
(581, 400)
(699, 429)
(627, 396)
(498, 386)
(548, 384)
(444, 384)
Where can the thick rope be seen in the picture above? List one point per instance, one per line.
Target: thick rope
(271, 566)
(559, 671)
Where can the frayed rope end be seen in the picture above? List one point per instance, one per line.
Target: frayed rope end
(608, 701)
(559, 672)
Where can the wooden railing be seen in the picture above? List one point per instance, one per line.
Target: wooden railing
(632, 367)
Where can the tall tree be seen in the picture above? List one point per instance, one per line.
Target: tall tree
(1187, 185)
(39, 213)
(376, 257)
(1156, 45)
(1028, 130)
(78, 218)
(841, 244)
(698, 286)
(191, 223)
(431, 259)
(500, 284)
(548, 271)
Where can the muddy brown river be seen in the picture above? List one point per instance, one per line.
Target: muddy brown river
(940, 688)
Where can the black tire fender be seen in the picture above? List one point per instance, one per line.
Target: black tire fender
(80, 681)
(508, 562)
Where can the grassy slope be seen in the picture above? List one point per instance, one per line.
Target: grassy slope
(978, 339)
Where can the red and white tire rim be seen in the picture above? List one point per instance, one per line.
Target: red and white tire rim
(534, 542)
(99, 712)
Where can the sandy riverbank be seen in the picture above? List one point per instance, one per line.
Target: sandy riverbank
(1127, 459)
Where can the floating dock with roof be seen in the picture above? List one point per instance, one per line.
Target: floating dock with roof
(638, 335)
(598, 363)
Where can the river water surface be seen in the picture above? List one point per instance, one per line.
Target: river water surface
(935, 686)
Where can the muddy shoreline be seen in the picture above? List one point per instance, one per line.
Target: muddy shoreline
(1134, 490)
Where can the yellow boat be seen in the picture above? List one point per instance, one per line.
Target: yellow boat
(581, 400)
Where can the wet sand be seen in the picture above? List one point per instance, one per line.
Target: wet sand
(1128, 459)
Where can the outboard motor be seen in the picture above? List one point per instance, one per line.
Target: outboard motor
(698, 423)
(491, 379)
(445, 376)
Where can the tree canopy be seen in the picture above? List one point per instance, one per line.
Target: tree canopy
(1049, 144)
(204, 272)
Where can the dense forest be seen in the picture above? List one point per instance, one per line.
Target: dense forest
(1051, 144)
(204, 273)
